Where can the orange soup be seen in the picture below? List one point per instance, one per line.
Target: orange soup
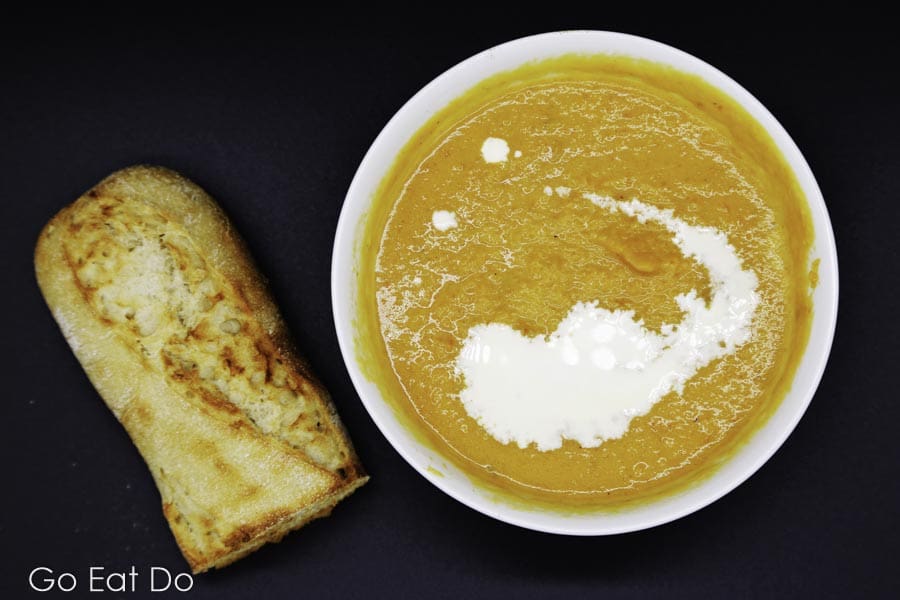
(586, 281)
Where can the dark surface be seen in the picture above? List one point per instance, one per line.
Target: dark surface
(273, 124)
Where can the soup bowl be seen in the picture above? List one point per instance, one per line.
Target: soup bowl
(760, 445)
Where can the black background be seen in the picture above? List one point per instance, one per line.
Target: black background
(272, 118)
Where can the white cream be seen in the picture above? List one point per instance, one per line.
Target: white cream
(443, 220)
(494, 150)
(588, 379)
(548, 191)
(563, 191)
(517, 154)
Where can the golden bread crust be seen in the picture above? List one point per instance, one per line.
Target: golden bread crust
(161, 303)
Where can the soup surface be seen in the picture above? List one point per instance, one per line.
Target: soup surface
(631, 249)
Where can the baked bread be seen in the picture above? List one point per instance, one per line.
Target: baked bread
(161, 303)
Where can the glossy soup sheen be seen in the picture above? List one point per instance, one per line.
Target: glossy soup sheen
(612, 126)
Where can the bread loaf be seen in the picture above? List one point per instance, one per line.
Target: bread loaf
(159, 300)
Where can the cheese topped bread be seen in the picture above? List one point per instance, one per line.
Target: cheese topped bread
(161, 303)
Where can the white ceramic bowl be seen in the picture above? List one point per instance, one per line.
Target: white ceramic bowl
(440, 471)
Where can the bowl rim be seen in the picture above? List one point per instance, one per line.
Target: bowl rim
(654, 512)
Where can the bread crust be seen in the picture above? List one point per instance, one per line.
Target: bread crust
(242, 440)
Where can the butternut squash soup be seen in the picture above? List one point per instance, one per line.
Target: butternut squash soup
(586, 280)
